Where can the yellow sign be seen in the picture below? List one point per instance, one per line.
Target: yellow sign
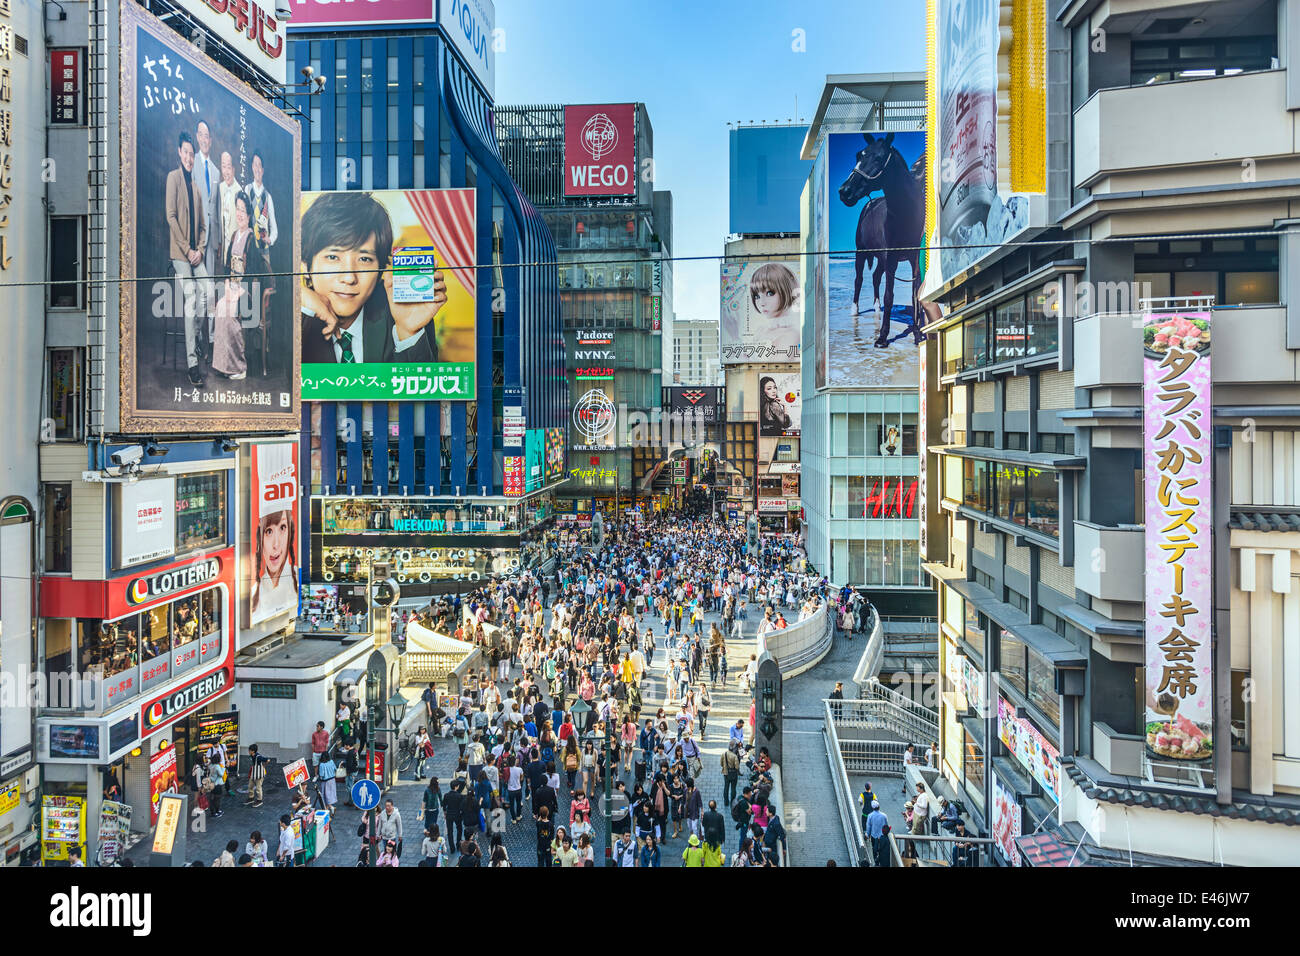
(10, 797)
(170, 809)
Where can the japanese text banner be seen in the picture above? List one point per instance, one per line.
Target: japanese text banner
(1177, 458)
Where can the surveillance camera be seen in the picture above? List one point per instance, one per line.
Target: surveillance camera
(129, 455)
(283, 10)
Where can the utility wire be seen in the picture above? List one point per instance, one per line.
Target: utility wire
(1014, 244)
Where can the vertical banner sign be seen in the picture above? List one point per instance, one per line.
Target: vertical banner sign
(1179, 591)
(65, 87)
(273, 531)
(925, 458)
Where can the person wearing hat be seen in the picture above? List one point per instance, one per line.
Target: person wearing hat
(876, 829)
(693, 855)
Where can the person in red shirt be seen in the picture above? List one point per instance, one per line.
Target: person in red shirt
(320, 742)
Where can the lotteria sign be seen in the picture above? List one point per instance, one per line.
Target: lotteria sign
(179, 702)
(142, 590)
(600, 150)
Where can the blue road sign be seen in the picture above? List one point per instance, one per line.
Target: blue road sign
(365, 794)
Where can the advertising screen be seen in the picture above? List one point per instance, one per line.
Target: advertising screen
(273, 530)
(216, 729)
(818, 262)
(875, 221)
(762, 309)
(554, 454)
(600, 150)
(388, 295)
(209, 185)
(337, 607)
(766, 178)
(988, 121)
(780, 410)
(534, 459)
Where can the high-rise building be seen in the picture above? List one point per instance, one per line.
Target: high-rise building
(589, 170)
(1108, 404)
(863, 217)
(695, 352)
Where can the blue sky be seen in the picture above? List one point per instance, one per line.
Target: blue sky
(698, 66)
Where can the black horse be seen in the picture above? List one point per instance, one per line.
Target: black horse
(879, 166)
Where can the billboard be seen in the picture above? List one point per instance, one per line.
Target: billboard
(209, 182)
(600, 150)
(875, 221)
(1177, 459)
(988, 175)
(333, 13)
(146, 521)
(247, 27)
(273, 531)
(534, 459)
(767, 176)
(762, 310)
(388, 296)
(780, 410)
(818, 263)
(709, 401)
(554, 454)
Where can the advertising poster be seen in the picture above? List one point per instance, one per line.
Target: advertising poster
(114, 829)
(1031, 748)
(216, 729)
(875, 222)
(147, 519)
(534, 459)
(273, 530)
(1177, 458)
(208, 339)
(388, 295)
(762, 311)
(709, 402)
(1006, 821)
(163, 778)
(600, 150)
(337, 607)
(554, 454)
(988, 192)
(780, 410)
(296, 773)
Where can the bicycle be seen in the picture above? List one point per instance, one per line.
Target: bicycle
(406, 755)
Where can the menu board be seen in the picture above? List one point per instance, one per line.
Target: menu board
(1031, 748)
(63, 825)
(1006, 821)
(214, 729)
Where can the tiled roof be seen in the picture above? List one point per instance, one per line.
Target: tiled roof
(1265, 521)
(1182, 803)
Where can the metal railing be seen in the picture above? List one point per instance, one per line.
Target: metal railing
(873, 756)
(845, 802)
(932, 850)
(874, 690)
(908, 721)
(872, 655)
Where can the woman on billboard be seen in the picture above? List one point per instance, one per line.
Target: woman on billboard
(347, 245)
(275, 533)
(773, 289)
(773, 419)
(245, 265)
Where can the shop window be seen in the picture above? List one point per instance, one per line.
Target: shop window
(200, 511)
(1250, 288)
(1041, 333)
(1012, 665)
(973, 768)
(1042, 507)
(909, 433)
(952, 350)
(1042, 691)
(975, 351)
(857, 497)
(58, 527)
(107, 650)
(1009, 331)
(155, 632)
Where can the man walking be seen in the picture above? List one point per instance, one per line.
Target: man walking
(256, 776)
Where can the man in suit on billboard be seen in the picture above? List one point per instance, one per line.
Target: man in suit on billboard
(187, 228)
(207, 176)
(348, 312)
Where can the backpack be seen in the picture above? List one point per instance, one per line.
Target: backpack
(570, 761)
(737, 814)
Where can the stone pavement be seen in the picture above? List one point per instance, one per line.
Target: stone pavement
(236, 823)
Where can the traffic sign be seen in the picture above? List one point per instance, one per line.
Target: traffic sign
(365, 794)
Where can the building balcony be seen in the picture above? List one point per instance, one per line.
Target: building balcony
(1249, 347)
(1131, 132)
(1109, 562)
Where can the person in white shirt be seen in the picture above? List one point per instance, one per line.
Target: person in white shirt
(920, 810)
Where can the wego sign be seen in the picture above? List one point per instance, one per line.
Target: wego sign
(600, 150)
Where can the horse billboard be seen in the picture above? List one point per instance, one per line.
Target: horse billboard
(875, 221)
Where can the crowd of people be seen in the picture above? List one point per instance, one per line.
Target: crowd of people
(617, 671)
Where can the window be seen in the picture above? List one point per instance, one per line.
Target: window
(58, 527)
(1009, 331)
(1239, 725)
(65, 393)
(1042, 512)
(1017, 441)
(857, 444)
(1012, 665)
(1250, 288)
(108, 649)
(975, 342)
(977, 489)
(200, 511)
(974, 629)
(67, 263)
(1042, 686)
(1056, 444)
(952, 350)
(1041, 333)
(973, 768)
(273, 691)
(1163, 61)
(1017, 600)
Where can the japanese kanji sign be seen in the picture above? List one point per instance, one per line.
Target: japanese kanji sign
(388, 382)
(1177, 459)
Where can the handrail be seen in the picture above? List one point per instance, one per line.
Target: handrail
(929, 844)
(811, 638)
(850, 820)
(884, 714)
(872, 655)
(874, 689)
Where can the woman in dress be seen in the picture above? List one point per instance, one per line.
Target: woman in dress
(228, 357)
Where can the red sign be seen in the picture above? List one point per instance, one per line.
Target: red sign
(296, 773)
(895, 500)
(185, 699)
(600, 150)
(513, 473)
(348, 12)
(378, 769)
(65, 87)
(169, 582)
